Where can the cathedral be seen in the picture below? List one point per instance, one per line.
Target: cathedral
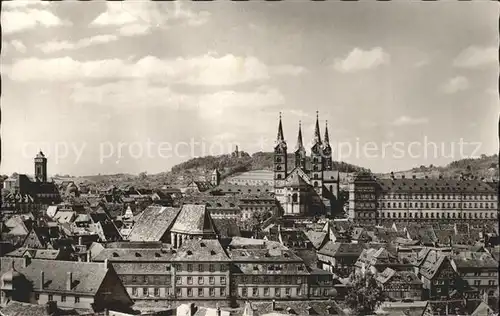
(309, 186)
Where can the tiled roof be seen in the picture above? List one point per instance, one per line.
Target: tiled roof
(403, 277)
(321, 308)
(48, 254)
(317, 238)
(434, 185)
(15, 308)
(153, 223)
(470, 259)
(263, 255)
(194, 220)
(341, 249)
(227, 227)
(208, 250)
(87, 276)
(243, 189)
(135, 255)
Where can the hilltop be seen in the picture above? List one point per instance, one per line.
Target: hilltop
(483, 167)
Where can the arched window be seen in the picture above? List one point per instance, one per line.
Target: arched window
(278, 167)
(399, 204)
(278, 176)
(278, 159)
(399, 214)
(426, 215)
(294, 198)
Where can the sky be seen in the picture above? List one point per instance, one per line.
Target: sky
(127, 87)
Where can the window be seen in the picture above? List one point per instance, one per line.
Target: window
(212, 280)
(134, 291)
(222, 291)
(167, 267)
(266, 291)
(287, 291)
(77, 299)
(190, 267)
(157, 291)
(211, 268)
(190, 280)
(178, 280)
(37, 296)
(254, 291)
(200, 292)
(144, 291)
(134, 279)
(63, 298)
(212, 292)
(244, 292)
(200, 280)
(190, 292)
(223, 268)
(477, 282)
(223, 280)
(277, 291)
(179, 292)
(51, 297)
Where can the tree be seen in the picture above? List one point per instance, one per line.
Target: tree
(365, 295)
(257, 219)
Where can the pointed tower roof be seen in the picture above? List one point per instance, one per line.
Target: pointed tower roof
(300, 144)
(280, 137)
(327, 138)
(317, 134)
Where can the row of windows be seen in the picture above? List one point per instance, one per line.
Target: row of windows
(271, 279)
(490, 282)
(76, 299)
(277, 292)
(439, 196)
(201, 280)
(439, 215)
(190, 291)
(438, 205)
(201, 267)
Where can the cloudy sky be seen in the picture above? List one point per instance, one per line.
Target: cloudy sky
(79, 78)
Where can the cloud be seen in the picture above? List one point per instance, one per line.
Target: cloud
(13, 46)
(20, 20)
(291, 70)
(207, 70)
(476, 56)
(406, 120)
(455, 85)
(359, 59)
(55, 46)
(141, 94)
(137, 18)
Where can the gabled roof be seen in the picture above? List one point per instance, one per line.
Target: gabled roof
(402, 277)
(194, 220)
(153, 223)
(87, 276)
(207, 250)
(341, 249)
(317, 238)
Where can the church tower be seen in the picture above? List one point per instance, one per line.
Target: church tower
(215, 178)
(300, 152)
(280, 157)
(327, 151)
(317, 160)
(40, 167)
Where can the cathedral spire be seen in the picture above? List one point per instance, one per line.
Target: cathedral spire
(300, 144)
(280, 137)
(327, 138)
(317, 135)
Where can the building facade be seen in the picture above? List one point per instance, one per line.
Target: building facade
(373, 200)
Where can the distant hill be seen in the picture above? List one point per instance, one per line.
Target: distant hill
(239, 162)
(483, 167)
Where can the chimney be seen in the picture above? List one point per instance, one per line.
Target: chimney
(42, 279)
(192, 309)
(329, 309)
(51, 307)
(274, 305)
(69, 280)
(89, 256)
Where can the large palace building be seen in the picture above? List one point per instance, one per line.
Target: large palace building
(310, 186)
(373, 200)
